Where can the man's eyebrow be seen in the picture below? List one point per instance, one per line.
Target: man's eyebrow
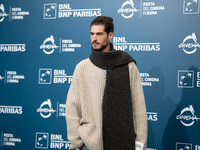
(97, 32)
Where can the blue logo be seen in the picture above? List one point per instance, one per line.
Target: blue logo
(183, 146)
(50, 11)
(127, 9)
(185, 79)
(191, 7)
(41, 140)
(45, 76)
(2, 13)
(1, 77)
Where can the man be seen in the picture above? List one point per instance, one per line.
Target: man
(105, 108)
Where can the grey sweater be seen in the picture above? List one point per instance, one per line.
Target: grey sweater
(84, 106)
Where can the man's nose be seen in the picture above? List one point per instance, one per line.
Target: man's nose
(94, 37)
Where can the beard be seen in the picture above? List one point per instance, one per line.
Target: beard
(101, 48)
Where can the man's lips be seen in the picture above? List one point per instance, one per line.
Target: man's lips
(95, 43)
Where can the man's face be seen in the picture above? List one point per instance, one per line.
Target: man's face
(99, 37)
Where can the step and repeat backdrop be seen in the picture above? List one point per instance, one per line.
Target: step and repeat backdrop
(42, 41)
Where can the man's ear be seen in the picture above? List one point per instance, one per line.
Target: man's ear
(110, 36)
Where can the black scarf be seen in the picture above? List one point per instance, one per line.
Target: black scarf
(118, 127)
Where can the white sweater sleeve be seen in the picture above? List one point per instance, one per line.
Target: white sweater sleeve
(139, 107)
(73, 114)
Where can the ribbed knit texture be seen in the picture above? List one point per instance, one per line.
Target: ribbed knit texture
(84, 106)
(118, 128)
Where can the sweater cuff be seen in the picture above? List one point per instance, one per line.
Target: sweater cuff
(76, 145)
(139, 146)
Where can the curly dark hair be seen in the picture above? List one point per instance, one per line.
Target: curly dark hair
(106, 21)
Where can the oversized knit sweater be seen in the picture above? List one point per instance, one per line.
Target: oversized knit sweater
(84, 106)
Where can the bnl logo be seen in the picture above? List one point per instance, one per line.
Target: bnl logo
(45, 76)
(183, 146)
(191, 7)
(41, 140)
(185, 79)
(50, 11)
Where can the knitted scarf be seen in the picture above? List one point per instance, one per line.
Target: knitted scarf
(118, 127)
